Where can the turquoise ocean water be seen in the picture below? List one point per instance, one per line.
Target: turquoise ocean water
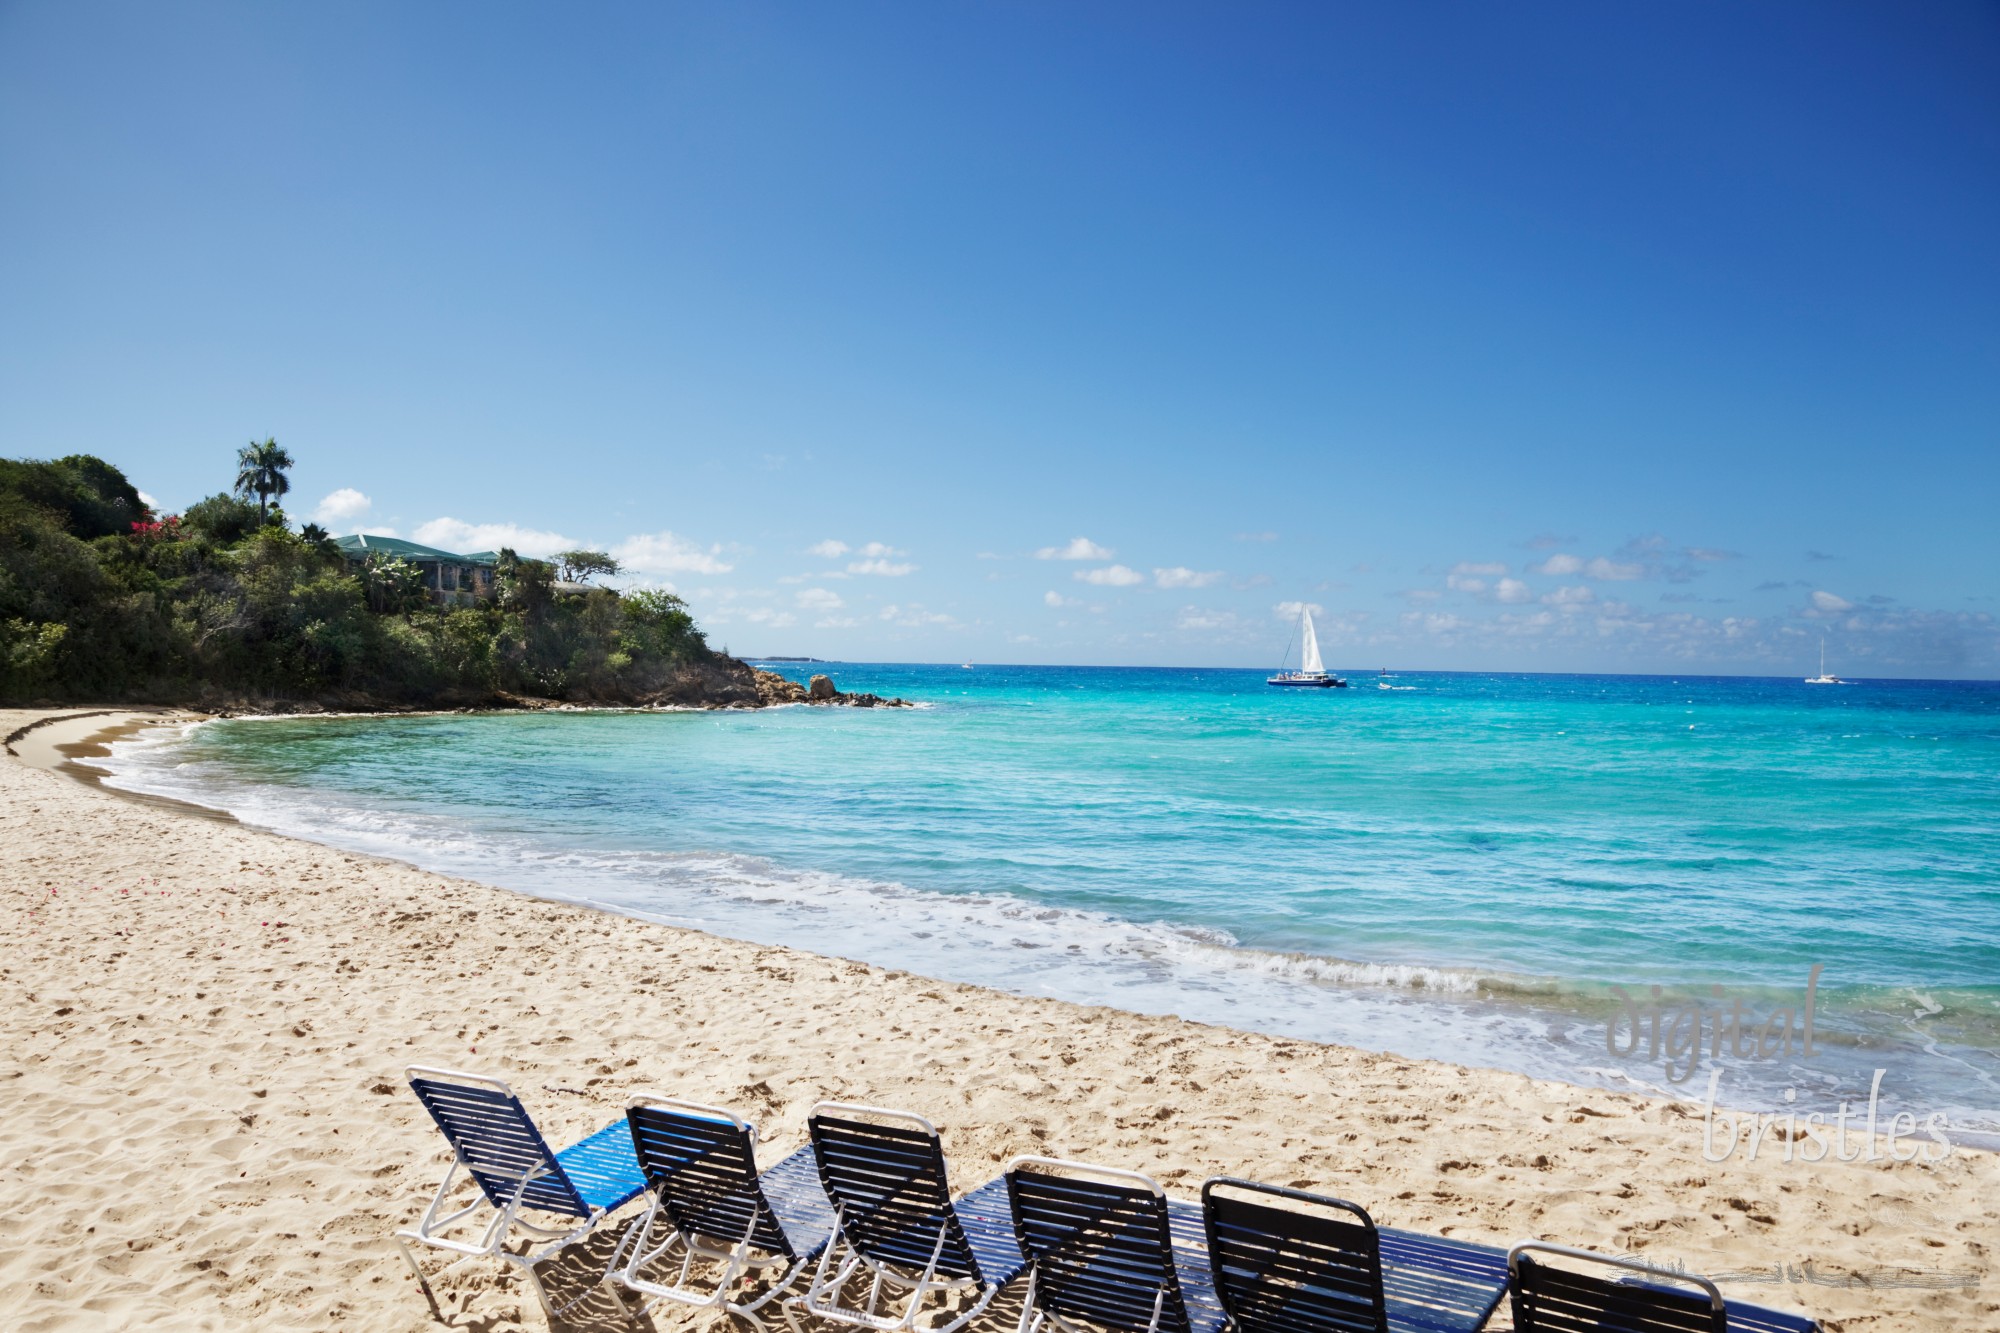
(1457, 866)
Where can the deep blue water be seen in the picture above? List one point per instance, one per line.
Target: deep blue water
(1451, 865)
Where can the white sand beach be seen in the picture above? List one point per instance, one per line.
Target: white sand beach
(204, 1123)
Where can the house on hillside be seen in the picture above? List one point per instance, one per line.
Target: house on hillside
(450, 578)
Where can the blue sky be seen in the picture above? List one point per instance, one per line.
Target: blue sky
(1535, 337)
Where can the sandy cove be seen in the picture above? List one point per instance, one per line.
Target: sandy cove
(204, 1124)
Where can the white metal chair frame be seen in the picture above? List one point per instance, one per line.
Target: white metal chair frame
(1714, 1293)
(738, 1260)
(822, 1296)
(542, 1241)
(1033, 1320)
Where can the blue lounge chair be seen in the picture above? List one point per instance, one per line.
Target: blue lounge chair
(493, 1140)
(1106, 1247)
(897, 1228)
(1286, 1261)
(1548, 1299)
(700, 1164)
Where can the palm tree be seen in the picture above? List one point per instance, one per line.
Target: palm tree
(260, 471)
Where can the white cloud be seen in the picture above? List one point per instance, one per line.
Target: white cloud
(828, 549)
(1460, 583)
(1612, 570)
(1560, 565)
(764, 615)
(818, 599)
(1196, 619)
(657, 553)
(1826, 601)
(1079, 548)
(1054, 598)
(1291, 610)
(836, 622)
(148, 501)
(1711, 554)
(877, 550)
(914, 615)
(886, 568)
(344, 508)
(452, 534)
(1512, 592)
(1111, 576)
(1488, 568)
(1420, 594)
(1180, 576)
(1877, 637)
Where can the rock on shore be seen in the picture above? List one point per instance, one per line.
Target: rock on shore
(773, 688)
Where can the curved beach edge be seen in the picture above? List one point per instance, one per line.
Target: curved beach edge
(225, 1013)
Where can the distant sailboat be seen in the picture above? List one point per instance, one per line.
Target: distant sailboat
(1311, 672)
(1822, 678)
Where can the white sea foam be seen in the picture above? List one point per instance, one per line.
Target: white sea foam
(997, 939)
(993, 939)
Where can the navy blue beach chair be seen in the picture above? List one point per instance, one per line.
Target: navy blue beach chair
(1106, 1247)
(898, 1232)
(1285, 1261)
(1552, 1299)
(494, 1141)
(710, 1203)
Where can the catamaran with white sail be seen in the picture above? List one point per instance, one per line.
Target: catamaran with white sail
(1312, 672)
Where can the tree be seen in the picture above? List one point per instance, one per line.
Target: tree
(579, 565)
(392, 585)
(260, 471)
(223, 519)
(86, 495)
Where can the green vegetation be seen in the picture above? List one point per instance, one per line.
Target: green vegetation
(101, 601)
(579, 566)
(260, 471)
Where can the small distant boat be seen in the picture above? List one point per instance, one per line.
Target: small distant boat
(966, 666)
(1312, 672)
(1822, 678)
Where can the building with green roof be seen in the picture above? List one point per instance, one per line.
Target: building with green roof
(449, 577)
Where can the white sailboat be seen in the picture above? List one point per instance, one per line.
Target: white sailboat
(1312, 672)
(1822, 678)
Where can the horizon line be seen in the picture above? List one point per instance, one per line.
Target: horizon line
(797, 659)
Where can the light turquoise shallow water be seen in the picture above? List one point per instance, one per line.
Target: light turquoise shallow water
(1457, 866)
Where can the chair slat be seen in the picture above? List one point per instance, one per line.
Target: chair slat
(889, 1183)
(1553, 1299)
(1101, 1250)
(493, 1135)
(1280, 1268)
(705, 1174)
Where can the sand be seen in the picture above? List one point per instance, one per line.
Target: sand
(204, 1123)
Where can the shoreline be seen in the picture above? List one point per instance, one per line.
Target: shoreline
(373, 962)
(1535, 1026)
(56, 744)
